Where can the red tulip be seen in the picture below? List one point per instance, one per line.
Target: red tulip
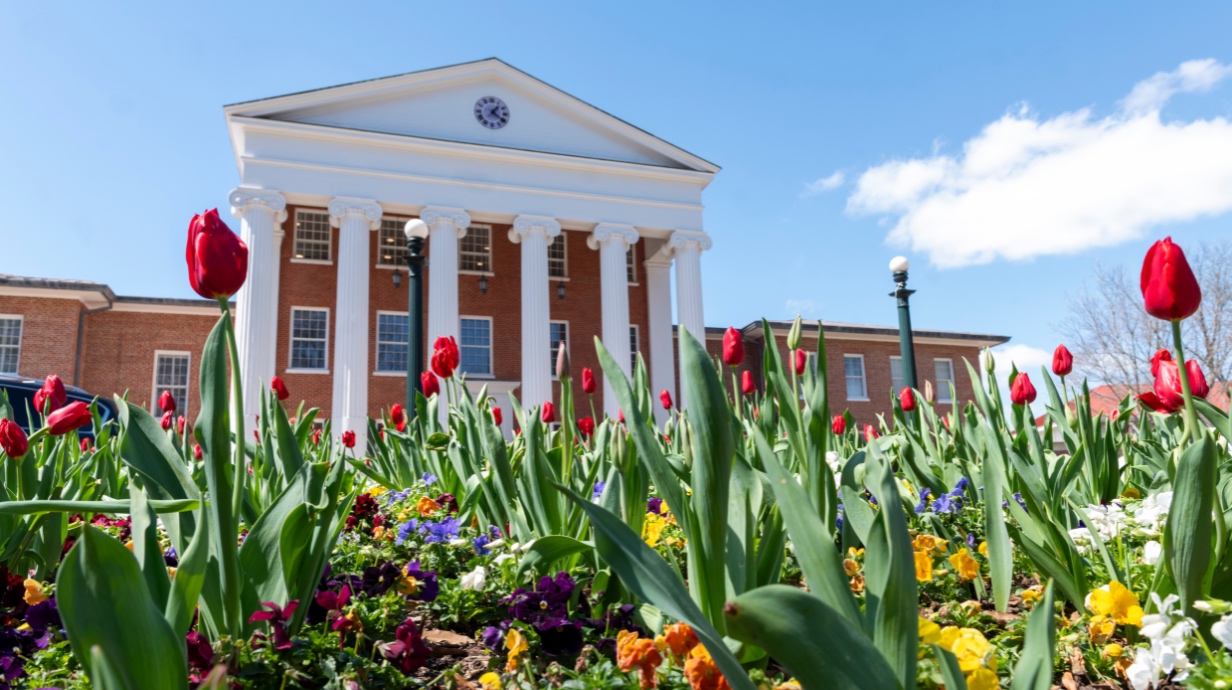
(548, 413)
(1160, 356)
(496, 416)
(588, 381)
(72, 416)
(906, 398)
(1062, 361)
(348, 438)
(442, 364)
(217, 258)
(280, 388)
(733, 347)
(198, 453)
(1168, 384)
(838, 425)
(180, 423)
(870, 433)
(620, 416)
(1152, 401)
(12, 439)
(1169, 289)
(316, 437)
(86, 445)
(665, 397)
(167, 420)
(946, 422)
(398, 417)
(801, 360)
(1021, 390)
(51, 396)
(586, 425)
(166, 402)
(431, 386)
(747, 385)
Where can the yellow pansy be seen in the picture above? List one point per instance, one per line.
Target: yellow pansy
(973, 650)
(965, 565)
(853, 552)
(1031, 594)
(925, 542)
(490, 681)
(850, 567)
(1113, 651)
(1131, 492)
(930, 632)
(377, 491)
(792, 684)
(983, 679)
(1100, 629)
(408, 585)
(35, 592)
(923, 566)
(652, 529)
(984, 549)
(1117, 602)
(426, 506)
(857, 583)
(516, 643)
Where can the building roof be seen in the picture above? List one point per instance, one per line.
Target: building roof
(100, 296)
(1107, 398)
(858, 331)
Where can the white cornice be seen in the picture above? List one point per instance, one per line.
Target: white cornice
(210, 310)
(92, 299)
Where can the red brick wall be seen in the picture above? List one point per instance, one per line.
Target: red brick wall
(306, 285)
(48, 335)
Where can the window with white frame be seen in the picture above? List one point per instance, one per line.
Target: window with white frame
(475, 250)
(312, 235)
(392, 336)
(944, 369)
(476, 345)
(10, 343)
(309, 338)
(631, 263)
(391, 243)
(558, 265)
(632, 348)
(171, 375)
(897, 382)
(559, 334)
(853, 367)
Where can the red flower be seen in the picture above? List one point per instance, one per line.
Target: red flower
(72, 416)
(588, 381)
(1021, 390)
(733, 347)
(1168, 385)
(200, 651)
(747, 385)
(12, 439)
(348, 438)
(277, 617)
(430, 384)
(445, 356)
(1169, 289)
(906, 398)
(839, 424)
(280, 388)
(180, 423)
(217, 258)
(86, 445)
(1160, 356)
(51, 396)
(620, 416)
(398, 417)
(441, 364)
(166, 402)
(197, 452)
(870, 433)
(548, 413)
(316, 437)
(1062, 361)
(586, 425)
(408, 652)
(801, 360)
(496, 415)
(665, 397)
(167, 420)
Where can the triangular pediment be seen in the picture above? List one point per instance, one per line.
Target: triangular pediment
(440, 104)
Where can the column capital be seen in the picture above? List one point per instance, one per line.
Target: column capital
(525, 225)
(608, 232)
(437, 215)
(696, 238)
(244, 198)
(342, 206)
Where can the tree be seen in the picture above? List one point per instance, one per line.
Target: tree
(1113, 338)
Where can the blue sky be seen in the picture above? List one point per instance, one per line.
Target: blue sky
(113, 133)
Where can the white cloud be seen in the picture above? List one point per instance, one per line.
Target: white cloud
(825, 184)
(1025, 357)
(1027, 187)
(804, 307)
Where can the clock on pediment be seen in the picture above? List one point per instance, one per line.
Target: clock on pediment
(491, 112)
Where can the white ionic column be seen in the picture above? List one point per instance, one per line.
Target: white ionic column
(535, 233)
(355, 219)
(445, 227)
(688, 247)
(659, 300)
(261, 214)
(613, 242)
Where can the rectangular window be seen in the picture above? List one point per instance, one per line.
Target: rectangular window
(632, 348)
(391, 342)
(309, 339)
(476, 345)
(10, 343)
(944, 369)
(312, 236)
(475, 250)
(853, 366)
(558, 267)
(897, 382)
(559, 334)
(631, 263)
(171, 374)
(391, 243)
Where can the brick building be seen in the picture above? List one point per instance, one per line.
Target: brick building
(546, 220)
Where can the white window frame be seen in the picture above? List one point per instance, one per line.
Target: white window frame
(329, 244)
(291, 340)
(944, 390)
(565, 256)
(902, 380)
(631, 263)
(20, 337)
(400, 222)
(863, 377)
(377, 353)
(154, 378)
(491, 346)
(568, 344)
(635, 333)
(491, 242)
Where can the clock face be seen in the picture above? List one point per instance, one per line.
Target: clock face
(491, 112)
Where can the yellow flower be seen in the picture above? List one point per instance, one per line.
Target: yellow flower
(857, 583)
(850, 567)
(1113, 651)
(1031, 595)
(426, 506)
(490, 681)
(35, 592)
(972, 649)
(1131, 492)
(516, 643)
(377, 491)
(408, 585)
(170, 571)
(792, 684)
(853, 552)
(966, 566)
(378, 532)
(652, 529)
(1100, 629)
(923, 566)
(930, 632)
(926, 542)
(983, 679)
(1117, 602)
(984, 549)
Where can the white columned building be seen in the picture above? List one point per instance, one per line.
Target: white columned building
(688, 248)
(659, 306)
(261, 215)
(613, 242)
(445, 227)
(535, 233)
(355, 220)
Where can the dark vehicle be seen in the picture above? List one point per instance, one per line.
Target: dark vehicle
(21, 390)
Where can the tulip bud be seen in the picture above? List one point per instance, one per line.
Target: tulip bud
(217, 258)
(1062, 361)
(316, 437)
(548, 413)
(801, 359)
(166, 402)
(733, 347)
(588, 381)
(397, 417)
(990, 364)
(12, 439)
(1169, 289)
(167, 420)
(928, 392)
(51, 396)
(180, 423)
(496, 416)
(198, 453)
(431, 386)
(1021, 390)
(586, 425)
(69, 418)
(838, 425)
(280, 388)
(793, 335)
(348, 438)
(86, 445)
(906, 398)
(562, 362)
(620, 416)
(870, 433)
(665, 397)
(747, 386)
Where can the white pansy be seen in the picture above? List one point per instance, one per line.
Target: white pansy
(1169, 635)
(475, 579)
(458, 542)
(1151, 551)
(502, 558)
(1149, 514)
(1082, 538)
(496, 543)
(1144, 672)
(1108, 520)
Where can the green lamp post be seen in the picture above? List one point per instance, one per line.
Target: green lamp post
(416, 232)
(898, 267)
